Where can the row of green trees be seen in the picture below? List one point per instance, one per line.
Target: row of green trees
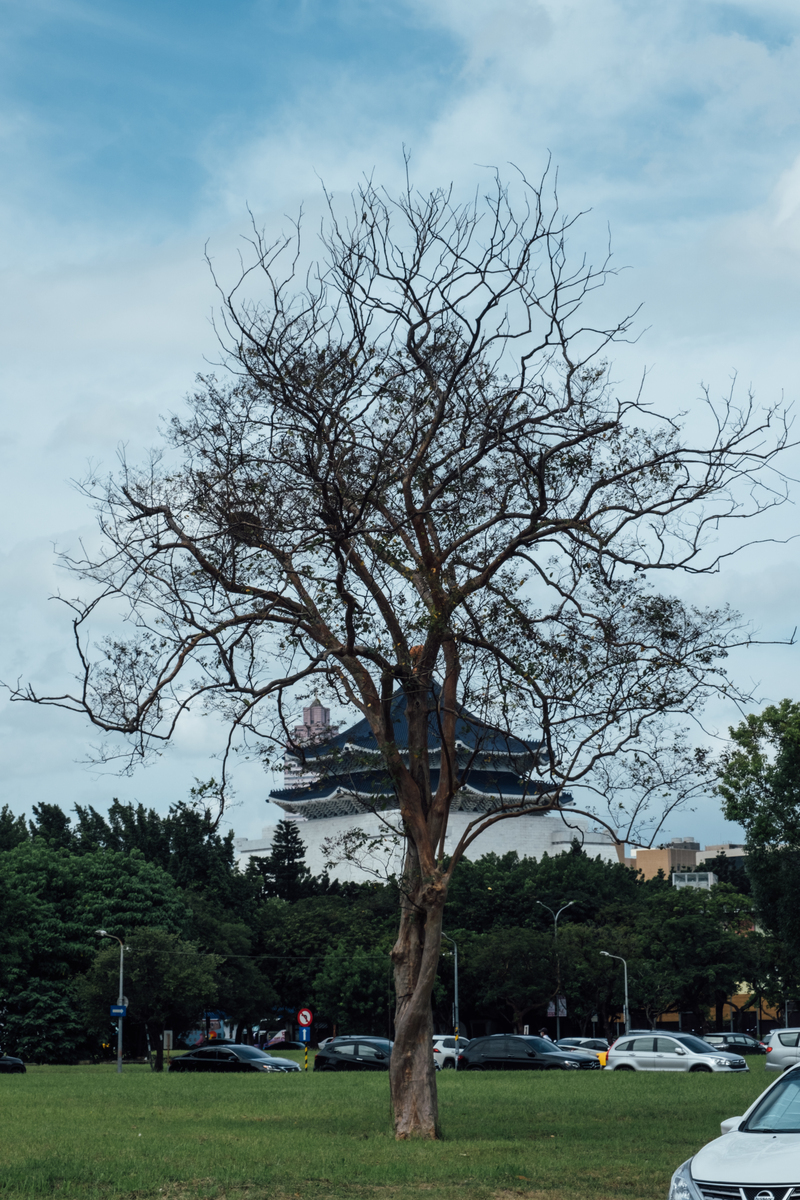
(166, 885)
(259, 944)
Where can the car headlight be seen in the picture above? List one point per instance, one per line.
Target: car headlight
(682, 1186)
(723, 1062)
(572, 1066)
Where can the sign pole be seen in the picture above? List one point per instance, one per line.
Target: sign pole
(121, 1003)
(304, 1019)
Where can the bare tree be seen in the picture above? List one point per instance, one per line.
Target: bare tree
(420, 478)
(637, 790)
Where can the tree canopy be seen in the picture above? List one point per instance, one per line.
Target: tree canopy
(419, 475)
(759, 781)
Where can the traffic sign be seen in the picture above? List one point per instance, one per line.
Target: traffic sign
(305, 1016)
(118, 1010)
(304, 1033)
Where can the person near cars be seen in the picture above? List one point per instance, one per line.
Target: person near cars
(544, 1034)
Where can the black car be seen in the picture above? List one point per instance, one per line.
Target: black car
(736, 1043)
(354, 1054)
(231, 1058)
(510, 1052)
(11, 1066)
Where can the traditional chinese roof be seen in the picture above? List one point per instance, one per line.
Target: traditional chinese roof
(368, 790)
(494, 765)
(472, 735)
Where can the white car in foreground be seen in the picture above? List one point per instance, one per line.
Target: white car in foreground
(758, 1156)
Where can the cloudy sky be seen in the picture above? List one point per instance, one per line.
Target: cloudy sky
(132, 134)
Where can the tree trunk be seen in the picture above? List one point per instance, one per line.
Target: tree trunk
(415, 955)
(160, 1050)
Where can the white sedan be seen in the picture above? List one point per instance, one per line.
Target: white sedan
(758, 1155)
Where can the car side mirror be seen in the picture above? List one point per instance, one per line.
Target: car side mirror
(731, 1125)
(681, 1052)
(379, 1055)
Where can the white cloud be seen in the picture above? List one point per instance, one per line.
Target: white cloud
(674, 122)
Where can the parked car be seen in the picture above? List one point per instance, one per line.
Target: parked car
(596, 1046)
(782, 1049)
(512, 1052)
(231, 1058)
(354, 1054)
(737, 1043)
(670, 1052)
(758, 1154)
(11, 1066)
(444, 1050)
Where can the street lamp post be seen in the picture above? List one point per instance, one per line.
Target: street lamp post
(625, 1013)
(121, 999)
(555, 916)
(455, 993)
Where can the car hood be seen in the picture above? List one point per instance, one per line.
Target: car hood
(279, 1062)
(762, 1158)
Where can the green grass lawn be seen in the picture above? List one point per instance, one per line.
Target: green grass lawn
(85, 1131)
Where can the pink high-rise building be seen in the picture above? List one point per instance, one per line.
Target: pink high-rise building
(316, 728)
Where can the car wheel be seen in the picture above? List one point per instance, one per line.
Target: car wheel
(474, 1067)
(700, 1068)
(448, 1064)
(624, 1067)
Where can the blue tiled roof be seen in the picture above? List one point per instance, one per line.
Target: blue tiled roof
(377, 783)
(473, 733)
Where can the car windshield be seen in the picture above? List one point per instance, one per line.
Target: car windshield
(695, 1044)
(542, 1045)
(779, 1111)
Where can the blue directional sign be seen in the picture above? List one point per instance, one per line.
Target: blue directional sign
(304, 1033)
(119, 1010)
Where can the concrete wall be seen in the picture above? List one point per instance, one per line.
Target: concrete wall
(379, 852)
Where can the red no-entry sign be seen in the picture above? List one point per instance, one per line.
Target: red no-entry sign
(305, 1016)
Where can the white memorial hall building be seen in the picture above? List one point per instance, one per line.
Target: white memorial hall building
(337, 784)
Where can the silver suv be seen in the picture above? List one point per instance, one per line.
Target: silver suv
(782, 1049)
(670, 1052)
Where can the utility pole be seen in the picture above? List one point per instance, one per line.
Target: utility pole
(625, 1014)
(121, 999)
(555, 916)
(455, 994)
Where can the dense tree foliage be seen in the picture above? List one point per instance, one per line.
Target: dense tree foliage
(759, 780)
(169, 980)
(283, 872)
(51, 904)
(260, 944)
